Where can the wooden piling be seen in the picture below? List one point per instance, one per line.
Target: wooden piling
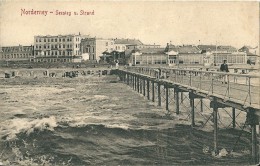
(138, 86)
(182, 97)
(135, 82)
(201, 104)
(254, 144)
(167, 97)
(192, 110)
(177, 102)
(143, 86)
(148, 89)
(215, 119)
(127, 79)
(153, 91)
(159, 94)
(233, 117)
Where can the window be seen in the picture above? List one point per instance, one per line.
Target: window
(63, 40)
(55, 40)
(60, 39)
(48, 40)
(63, 45)
(44, 40)
(36, 39)
(51, 40)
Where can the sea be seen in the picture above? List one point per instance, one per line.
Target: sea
(95, 120)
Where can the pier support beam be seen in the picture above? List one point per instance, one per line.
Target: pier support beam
(181, 97)
(133, 83)
(159, 94)
(166, 97)
(177, 103)
(136, 82)
(254, 144)
(148, 88)
(192, 110)
(127, 79)
(201, 104)
(143, 86)
(233, 117)
(215, 119)
(153, 91)
(138, 86)
(252, 120)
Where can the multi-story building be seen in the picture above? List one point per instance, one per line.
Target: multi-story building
(63, 48)
(252, 54)
(95, 47)
(16, 53)
(185, 54)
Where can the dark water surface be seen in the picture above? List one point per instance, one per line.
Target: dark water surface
(92, 121)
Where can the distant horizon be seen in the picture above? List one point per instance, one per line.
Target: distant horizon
(190, 23)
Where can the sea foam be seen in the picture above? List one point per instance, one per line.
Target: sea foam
(25, 125)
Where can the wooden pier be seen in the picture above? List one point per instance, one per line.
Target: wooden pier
(238, 93)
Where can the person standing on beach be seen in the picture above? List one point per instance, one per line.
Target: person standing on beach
(224, 68)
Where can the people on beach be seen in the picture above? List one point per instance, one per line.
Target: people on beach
(224, 68)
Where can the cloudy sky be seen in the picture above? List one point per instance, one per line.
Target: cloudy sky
(228, 23)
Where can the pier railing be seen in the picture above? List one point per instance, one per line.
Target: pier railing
(242, 87)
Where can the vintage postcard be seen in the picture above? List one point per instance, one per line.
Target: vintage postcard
(129, 82)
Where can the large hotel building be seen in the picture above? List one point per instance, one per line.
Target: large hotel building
(63, 48)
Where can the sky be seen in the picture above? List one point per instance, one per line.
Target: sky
(159, 22)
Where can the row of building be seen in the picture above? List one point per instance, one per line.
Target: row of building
(77, 48)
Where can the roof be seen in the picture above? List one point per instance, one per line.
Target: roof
(128, 41)
(152, 50)
(51, 36)
(207, 47)
(182, 49)
(249, 50)
(218, 48)
(16, 48)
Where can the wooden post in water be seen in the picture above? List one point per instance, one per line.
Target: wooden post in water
(233, 117)
(153, 91)
(215, 119)
(143, 86)
(159, 94)
(135, 82)
(177, 102)
(192, 109)
(252, 120)
(181, 97)
(254, 144)
(127, 76)
(201, 104)
(148, 88)
(166, 97)
(138, 86)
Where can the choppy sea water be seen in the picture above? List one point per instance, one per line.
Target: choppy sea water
(99, 121)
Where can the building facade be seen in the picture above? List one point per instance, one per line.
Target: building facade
(16, 53)
(252, 54)
(61, 48)
(95, 47)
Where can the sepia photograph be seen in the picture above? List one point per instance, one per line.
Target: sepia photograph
(113, 82)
